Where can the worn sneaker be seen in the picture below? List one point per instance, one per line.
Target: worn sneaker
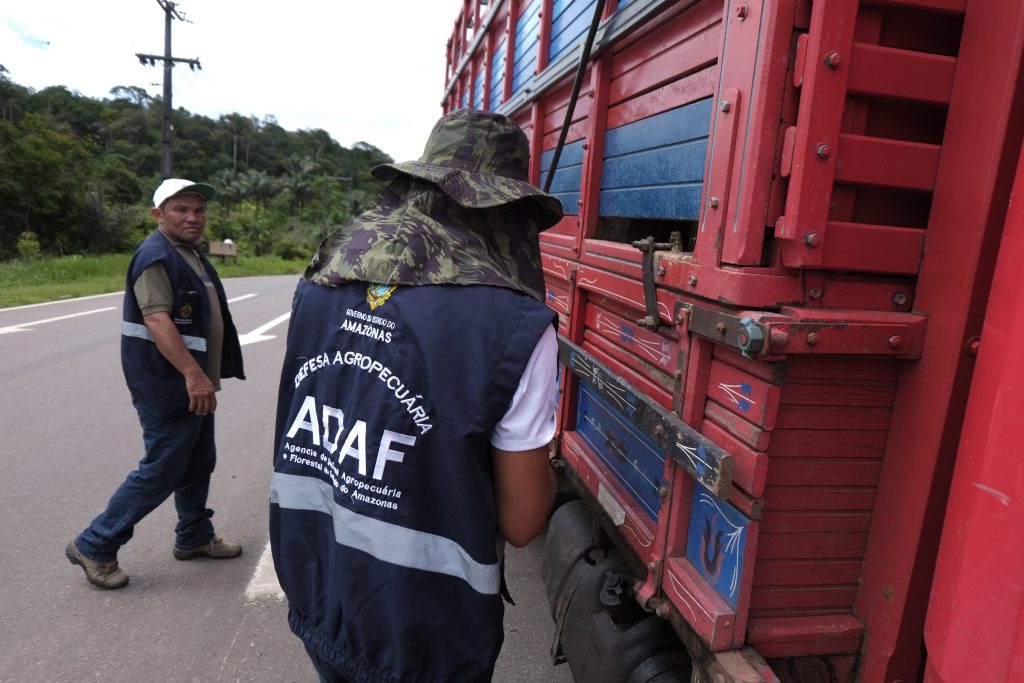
(216, 547)
(102, 574)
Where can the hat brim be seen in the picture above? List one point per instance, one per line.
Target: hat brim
(207, 192)
(476, 190)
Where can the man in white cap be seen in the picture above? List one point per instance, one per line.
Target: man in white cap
(177, 342)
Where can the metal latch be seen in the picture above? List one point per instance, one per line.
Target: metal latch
(648, 246)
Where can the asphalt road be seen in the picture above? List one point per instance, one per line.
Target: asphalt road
(70, 435)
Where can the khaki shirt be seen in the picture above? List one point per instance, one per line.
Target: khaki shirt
(153, 292)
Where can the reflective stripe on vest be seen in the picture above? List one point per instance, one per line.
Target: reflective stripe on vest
(142, 332)
(386, 542)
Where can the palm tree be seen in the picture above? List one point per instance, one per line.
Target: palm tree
(230, 191)
(298, 180)
(259, 186)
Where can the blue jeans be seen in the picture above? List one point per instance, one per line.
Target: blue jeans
(180, 457)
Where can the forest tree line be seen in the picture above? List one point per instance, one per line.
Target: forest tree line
(77, 174)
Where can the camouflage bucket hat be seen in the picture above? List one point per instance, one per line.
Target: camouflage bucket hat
(480, 160)
(414, 234)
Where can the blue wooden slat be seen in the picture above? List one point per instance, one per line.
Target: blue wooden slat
(570, 27)
(570, 202)
(679, 163)
(523, 71)
(527, 30)
(572, 155)
(525, 50)
(568, 12)
(478, 91)
(498, 74)
(654, 167)
(463, 101)
(566, 184)
(528, 23)
(688, 122)
(627, 452)
(558, 7)
(567, 179)
(671, 202)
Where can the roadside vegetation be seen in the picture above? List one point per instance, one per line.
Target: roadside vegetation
(30, 281)
(77, 176)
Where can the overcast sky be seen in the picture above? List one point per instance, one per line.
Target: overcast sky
(366, 70)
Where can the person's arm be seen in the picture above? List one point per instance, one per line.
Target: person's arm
(524, 482)
(202, 399)
(524, 491)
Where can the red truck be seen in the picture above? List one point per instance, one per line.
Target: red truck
(788, 287)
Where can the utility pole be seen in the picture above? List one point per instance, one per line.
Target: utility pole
(170, 13)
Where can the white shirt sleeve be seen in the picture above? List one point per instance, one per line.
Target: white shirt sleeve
(530, 420)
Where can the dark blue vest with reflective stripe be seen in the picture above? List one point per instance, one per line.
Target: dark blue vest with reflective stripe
(151, 378)
(382, 516)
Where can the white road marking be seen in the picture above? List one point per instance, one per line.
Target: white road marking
(60, 301)
(96, 296)
(250, 338)
(27, 327)
(263, 583)
(257, 334)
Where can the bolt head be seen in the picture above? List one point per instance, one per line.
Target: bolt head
(720, 328)
(713, 202)
(813, 338)
(814, 293)
(895, 341)
(724, 105)
(692, 280)
(899, 298)
(778, 339)
(833, 60)
(812, 239)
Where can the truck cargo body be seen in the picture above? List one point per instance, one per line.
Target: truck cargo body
(782, 220)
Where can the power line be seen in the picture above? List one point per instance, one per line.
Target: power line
(170, 13)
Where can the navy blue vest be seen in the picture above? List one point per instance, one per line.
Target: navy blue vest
(151, 378)
(382, 518)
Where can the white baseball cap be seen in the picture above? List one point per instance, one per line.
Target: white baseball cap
(172, 187)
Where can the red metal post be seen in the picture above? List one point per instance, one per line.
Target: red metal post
(974, 631)
(544, 42)
(967, 210)
(597, 126)
(510, 47)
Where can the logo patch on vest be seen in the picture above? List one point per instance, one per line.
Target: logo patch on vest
(185, 309)
(377, 295)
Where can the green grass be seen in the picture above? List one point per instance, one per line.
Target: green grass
(68, 277)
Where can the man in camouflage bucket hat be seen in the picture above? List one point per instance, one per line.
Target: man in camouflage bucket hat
(415, 412)
(464, 213)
